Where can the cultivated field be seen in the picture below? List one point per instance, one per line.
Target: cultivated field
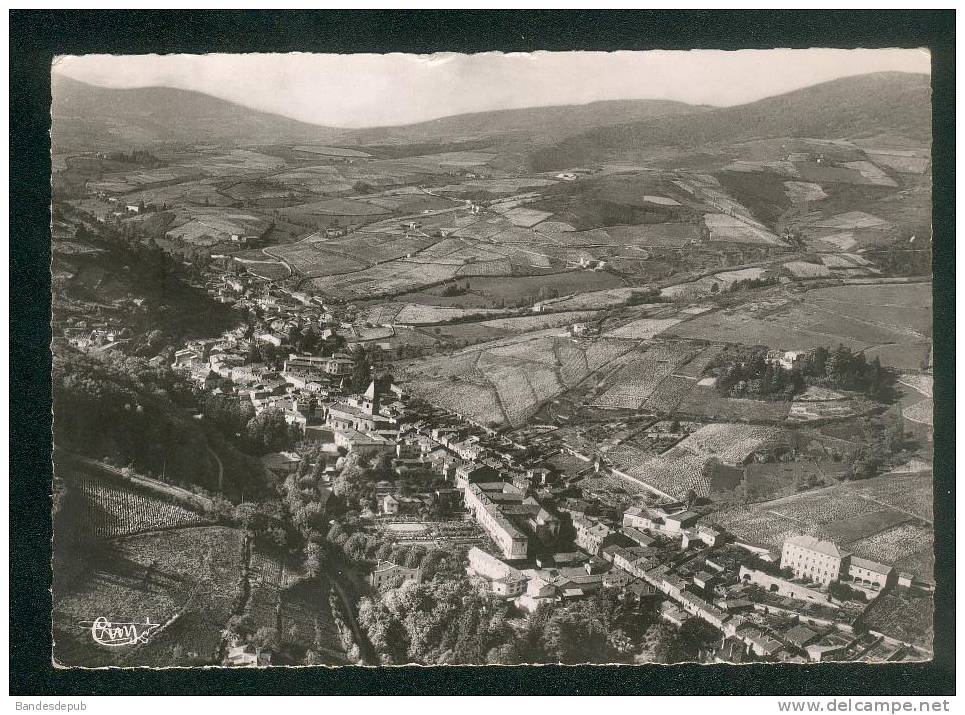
(506, 381)
(186, 580)
(892, 316)
(885, 518)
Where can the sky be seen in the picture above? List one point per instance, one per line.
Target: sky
(366, 90)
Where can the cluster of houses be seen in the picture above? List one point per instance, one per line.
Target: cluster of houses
(765, 605)
(543, 545)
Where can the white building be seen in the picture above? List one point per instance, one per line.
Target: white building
(813, 559)
(503, 578)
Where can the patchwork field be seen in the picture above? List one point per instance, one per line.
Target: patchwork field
(641, 376)
(504, 382)
(891, 319)
(887, 518)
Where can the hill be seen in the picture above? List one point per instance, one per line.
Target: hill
(85, 116)
(552, 123)
(852, 107)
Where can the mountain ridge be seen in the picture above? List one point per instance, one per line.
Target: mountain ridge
(89, 116)
(848, 107)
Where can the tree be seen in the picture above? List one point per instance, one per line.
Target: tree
(361, 371)
(314, 558)
(266, 638)
(269, 432)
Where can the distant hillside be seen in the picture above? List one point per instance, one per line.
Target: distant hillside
(85, 116)
(881, 103)
(550, 123)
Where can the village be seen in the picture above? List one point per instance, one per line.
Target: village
(530, 534)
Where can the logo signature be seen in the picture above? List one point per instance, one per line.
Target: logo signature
(115, 634)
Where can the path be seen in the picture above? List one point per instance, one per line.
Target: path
(281, 260)
(220, 468)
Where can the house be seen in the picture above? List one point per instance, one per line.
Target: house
(813, 559)
(185, 358)
(472, 473)
(275, 339)
(362, 443)
(247, 656)
(389, 505)
(786, 359)
(591, 535)
(512, 542)
(871, 573)
(387, 572)
(801, 636)
(281, 464)
(504, 580)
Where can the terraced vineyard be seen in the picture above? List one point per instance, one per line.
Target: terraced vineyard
(886, 518)
(113, 510)
(506, 381)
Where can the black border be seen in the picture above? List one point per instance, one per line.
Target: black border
(35, 36)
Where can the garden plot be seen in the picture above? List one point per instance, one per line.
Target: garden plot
(856, 316)
(909, 356)
(759, 527)
(801, 191)
(506, 186)
(591, 300)
(852, 220)
(482, 230)
(668, 395)
(909, 492)
(872, 173)
(890, 546)
(334, 207)
(874, 518)
(731, 229)
(500, 267)
(904, 162)
(506, 381)
(671, 474)
(416, 314)
(526, 217)
(642, 329)
(454, 251)
(475, 402)
(660, 200)
(385, 279)
(923, 384)
(307, 260)
(810, 410)
(694, 369)
(731, 443)
(700, 288)
(529, 323)
(844, 240)
(572, 362)
(905, 616)
(840, 260)
(803, 269)
(706, 404)
(649, 235)
(921, 412)
(819, 394)
(553, 229)
(634, 383)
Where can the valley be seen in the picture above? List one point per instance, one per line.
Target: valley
(701, 331)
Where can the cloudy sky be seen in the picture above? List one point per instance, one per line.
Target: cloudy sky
(372, 90)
